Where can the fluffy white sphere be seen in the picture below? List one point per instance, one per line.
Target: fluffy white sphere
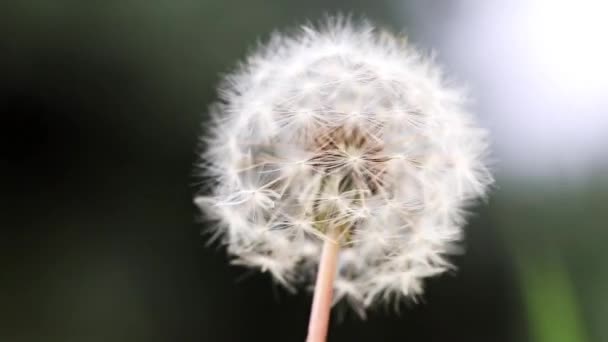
(348, 128)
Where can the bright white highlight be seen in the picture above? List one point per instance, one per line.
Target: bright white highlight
(568, 43)
(343, 128)
(539, 71)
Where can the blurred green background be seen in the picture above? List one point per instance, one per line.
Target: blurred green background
(102, 106)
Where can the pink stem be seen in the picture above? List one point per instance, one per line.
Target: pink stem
(322, 301)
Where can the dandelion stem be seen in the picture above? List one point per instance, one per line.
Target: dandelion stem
(324, 287)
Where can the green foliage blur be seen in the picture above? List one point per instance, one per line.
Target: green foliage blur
(102, 106)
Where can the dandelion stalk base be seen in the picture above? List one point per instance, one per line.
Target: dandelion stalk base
(322, 300)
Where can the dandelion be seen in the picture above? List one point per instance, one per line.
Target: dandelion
(340, 154)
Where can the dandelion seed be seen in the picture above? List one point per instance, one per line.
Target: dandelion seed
(341, 147)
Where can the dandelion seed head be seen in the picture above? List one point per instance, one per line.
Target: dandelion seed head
(343, 126)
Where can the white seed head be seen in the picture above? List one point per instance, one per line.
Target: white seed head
(343, 127)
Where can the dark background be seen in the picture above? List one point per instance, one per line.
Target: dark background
(102, 104)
